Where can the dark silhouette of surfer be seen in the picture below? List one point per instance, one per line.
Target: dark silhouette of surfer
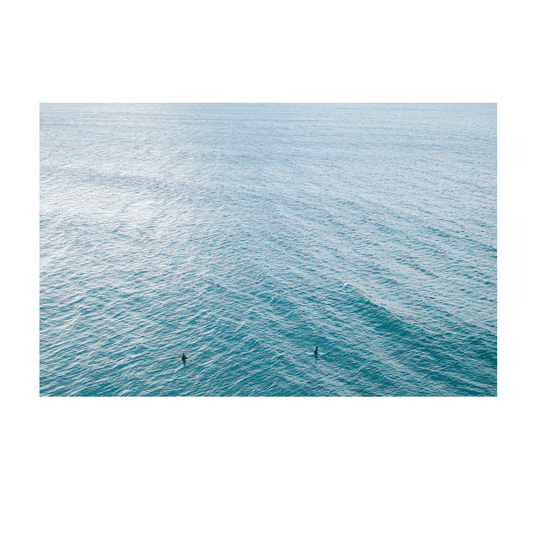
(183, 358)
(316, 350)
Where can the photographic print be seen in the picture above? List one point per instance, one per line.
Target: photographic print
(268, 250)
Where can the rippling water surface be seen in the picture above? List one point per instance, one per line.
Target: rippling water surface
(246, 235)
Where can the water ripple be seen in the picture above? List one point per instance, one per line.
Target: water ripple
(247, 235)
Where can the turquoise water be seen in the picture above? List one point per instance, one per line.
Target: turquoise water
(247, 235)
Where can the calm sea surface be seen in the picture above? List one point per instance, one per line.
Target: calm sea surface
(247, 235)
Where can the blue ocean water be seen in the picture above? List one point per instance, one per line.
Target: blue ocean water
(247, 235)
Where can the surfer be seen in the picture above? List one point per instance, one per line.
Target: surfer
(316, 350)
(183, 358)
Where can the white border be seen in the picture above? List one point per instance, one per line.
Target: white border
(30, 96)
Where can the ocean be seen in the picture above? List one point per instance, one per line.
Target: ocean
(247, 235)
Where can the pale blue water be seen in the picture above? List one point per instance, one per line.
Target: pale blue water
(246, 235)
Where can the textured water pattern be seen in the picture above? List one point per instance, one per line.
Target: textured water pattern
(246, 235)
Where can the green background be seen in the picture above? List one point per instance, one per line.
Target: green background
(261, 474)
